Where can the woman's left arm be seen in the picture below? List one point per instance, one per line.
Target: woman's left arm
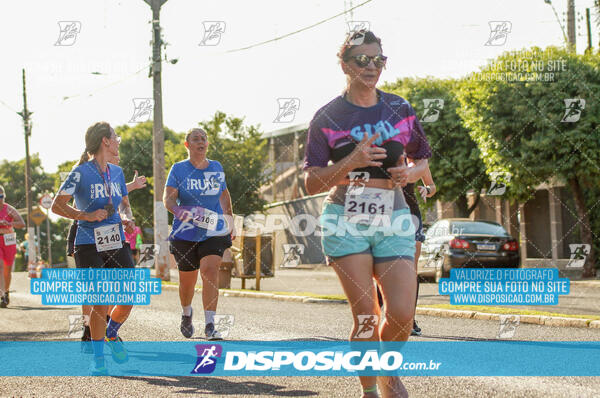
(429, 189)
(17, 219)
(126, 215)
(225, 201)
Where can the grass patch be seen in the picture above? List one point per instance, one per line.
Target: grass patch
(504, 310)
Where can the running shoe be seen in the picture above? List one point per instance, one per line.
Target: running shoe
(3, 301)
(416, 330)
(118, 351)
(187, 327)
(7, 298)
(98, 367)
(212, 333)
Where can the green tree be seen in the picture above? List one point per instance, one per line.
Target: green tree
(524, 128)
(243, 154)
(12, 177)
(455, 164)
(135, 153)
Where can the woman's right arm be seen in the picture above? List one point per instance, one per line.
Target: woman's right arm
(61, 207)
(321, 179)
(170, 201)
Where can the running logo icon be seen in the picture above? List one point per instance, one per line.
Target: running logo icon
(287, 110)
(76, 324)
(579, 253)
(433, 109)
(68, 33)
(366, 326)
(508, 326)
(142, 109)
(573, 109)
(224, 324)
(291, 255)
(357, 182)
(436, 258)
(499, 181)
(212, 33)
(69, 180)
(148, 252)
(355, 27)
(499, 31)
(207, 358)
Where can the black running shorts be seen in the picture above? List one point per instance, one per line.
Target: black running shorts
(188, 254)
(86, 256)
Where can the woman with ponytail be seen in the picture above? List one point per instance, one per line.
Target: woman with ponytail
(99, 188)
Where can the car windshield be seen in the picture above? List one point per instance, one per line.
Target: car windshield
(477, 228)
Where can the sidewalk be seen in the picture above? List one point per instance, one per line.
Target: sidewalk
(320, 281)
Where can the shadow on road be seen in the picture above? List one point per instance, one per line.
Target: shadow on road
(463, 338)
(46, 335)
(40, 308)
(222, 386)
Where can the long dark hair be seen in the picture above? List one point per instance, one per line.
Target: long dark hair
(93, 139)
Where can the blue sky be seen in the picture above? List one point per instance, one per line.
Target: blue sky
(425, 38)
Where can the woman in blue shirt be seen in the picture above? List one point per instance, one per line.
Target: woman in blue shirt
(197, 195)
(98, 188)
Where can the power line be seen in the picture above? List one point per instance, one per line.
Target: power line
(108, 85)
(7, 106)
(300, 30)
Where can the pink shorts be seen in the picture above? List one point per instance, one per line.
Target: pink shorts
(7, 253)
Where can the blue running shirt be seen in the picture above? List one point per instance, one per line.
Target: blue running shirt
(198, 189)
(85, 184)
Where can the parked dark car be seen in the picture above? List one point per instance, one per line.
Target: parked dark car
(464, 243)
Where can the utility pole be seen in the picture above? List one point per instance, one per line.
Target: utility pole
(161, 221)
(589, 29)
(571, 28)
(25, 114)
(49, 238)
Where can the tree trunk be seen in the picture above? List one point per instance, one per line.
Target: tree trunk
(584, 227)
(462, 204)
(474, 205)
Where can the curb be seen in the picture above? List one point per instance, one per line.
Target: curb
(541, 320)
(590, 283)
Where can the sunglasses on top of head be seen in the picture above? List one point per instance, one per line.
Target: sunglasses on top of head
(362, 60)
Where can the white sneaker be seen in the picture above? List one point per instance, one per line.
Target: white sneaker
(212, 333)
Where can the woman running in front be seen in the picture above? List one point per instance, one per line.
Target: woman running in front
(9, 220)
(138, 182)
(368, 132)
(99, 190)
(197, 195)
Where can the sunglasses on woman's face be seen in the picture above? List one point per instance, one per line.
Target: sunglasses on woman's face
(362, 60)
(1, 196)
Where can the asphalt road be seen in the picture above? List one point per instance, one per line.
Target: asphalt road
(584, 298)
(260, 319)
